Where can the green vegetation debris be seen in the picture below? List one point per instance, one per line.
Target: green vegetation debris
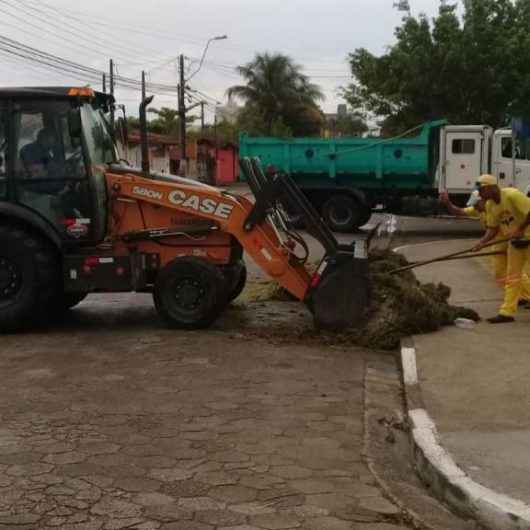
(400, 306)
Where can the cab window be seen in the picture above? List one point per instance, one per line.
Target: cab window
(45, 151)
(3, 151)
(522, 150)
(99, 141)
(50, 174)
(465, 146)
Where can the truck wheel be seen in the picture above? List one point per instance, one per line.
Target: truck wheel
(190, 293)
(29, 278)
(237, 279)
(365, 214)
(343, 213)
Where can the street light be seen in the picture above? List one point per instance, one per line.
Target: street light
(219, 37)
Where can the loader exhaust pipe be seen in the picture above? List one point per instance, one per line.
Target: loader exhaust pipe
(144, 141)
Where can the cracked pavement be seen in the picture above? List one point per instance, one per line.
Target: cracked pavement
(111, 421)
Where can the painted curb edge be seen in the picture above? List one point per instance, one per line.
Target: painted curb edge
(439, 471)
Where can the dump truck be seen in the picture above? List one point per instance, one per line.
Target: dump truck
(75, 220)
(346, 179)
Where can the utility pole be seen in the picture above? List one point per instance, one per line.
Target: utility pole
(144, 138)
(111, 82)
(202, 115)
(182, 110)
(104, 82)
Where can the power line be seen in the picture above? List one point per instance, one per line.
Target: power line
(127, 45)
(55, 61)
(31, 11)
(167, 34)
(40, 29)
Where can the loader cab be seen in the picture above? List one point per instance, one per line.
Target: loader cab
(55, 146)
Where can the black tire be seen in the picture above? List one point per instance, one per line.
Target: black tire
(190, 293)
(29, 278)
(236, 277)
(343, 213)
(70, 300)
(365, 214)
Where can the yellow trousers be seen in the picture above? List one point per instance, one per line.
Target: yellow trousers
(499, 265)
(512, 271)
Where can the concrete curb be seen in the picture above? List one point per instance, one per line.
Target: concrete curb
(439, 471)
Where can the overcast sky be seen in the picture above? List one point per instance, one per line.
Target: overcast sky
(150, 34)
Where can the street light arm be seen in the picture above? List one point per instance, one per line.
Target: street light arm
(221, 37)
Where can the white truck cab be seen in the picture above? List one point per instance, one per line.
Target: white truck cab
(502, 164)
(467, 151)
(464, 156)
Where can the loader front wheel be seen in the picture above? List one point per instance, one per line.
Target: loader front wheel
(190, 293)
(29, 278)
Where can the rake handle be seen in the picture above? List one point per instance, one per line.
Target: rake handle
(448, 256)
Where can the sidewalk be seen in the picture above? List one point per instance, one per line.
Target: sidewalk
(475, 383)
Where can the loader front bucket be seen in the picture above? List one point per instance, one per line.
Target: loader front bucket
(339, 292)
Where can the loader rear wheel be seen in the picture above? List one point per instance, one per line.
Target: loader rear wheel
(190, 293)
(29, 278)
(343, 213)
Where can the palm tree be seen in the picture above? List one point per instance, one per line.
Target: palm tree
(274, 85)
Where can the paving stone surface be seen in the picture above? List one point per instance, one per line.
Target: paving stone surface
(108, 424)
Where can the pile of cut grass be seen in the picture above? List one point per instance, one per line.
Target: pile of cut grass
(400, 305)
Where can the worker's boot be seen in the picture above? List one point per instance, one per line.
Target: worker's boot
(500, 319)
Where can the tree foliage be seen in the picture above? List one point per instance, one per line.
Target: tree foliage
(469, 69)
(350, 124)
(278, 97)
(167, 121)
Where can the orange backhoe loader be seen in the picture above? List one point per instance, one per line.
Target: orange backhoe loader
(76, 220)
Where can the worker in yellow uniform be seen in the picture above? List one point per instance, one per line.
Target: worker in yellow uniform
(476, 209)
(507, 214)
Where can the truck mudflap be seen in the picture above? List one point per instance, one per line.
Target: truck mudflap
(339, 291)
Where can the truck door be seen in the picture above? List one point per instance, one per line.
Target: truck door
(502, 165)
(464, 159)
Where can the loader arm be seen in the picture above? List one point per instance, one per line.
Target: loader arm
(228, 211)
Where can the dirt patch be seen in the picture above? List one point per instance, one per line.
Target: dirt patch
(265, 291)
(400, 306)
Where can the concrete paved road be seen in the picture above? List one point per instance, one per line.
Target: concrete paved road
(111, 421)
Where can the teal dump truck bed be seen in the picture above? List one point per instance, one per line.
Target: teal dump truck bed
(346, 178)
(359, 162)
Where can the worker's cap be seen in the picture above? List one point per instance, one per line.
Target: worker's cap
(486, 180)
(474, 199)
